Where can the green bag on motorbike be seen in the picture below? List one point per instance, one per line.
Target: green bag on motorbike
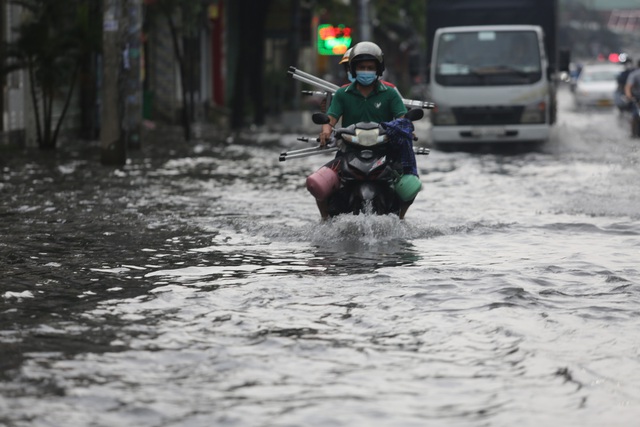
(407, 187)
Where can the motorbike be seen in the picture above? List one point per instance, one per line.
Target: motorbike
(369, 176)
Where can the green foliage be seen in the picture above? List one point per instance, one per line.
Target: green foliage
(51, 38)
(393, 19)
(50, 42)
(337, 10)
(400, 20)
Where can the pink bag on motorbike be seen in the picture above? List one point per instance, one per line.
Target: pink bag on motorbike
(322, 183)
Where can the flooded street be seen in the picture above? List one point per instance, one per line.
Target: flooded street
(198, 287)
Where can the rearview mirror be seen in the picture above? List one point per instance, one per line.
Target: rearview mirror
(320, 118)
(415, 114)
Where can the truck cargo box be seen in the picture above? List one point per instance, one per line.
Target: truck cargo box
(454, 13)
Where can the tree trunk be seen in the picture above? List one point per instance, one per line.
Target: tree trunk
(47, 114)
(132, 97)
(67, 102)
(88, 85)
(186, 125)
(2, 61)
(112, 146)
(35, 103)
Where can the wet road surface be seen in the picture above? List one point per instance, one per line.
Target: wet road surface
(196, 286)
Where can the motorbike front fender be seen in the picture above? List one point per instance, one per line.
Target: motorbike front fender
(381, 200)
(367, 191)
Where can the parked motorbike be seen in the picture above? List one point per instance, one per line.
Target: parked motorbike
(369, 177)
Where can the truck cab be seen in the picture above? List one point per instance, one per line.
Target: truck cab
(491, 83)
(493, 69)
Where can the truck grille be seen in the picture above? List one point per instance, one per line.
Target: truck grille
(485, 115)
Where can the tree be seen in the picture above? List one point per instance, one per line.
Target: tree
(51, 42)
(184, 19)
(2, 59)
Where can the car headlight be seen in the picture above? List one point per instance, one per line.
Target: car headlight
(442, 116)
(534, 113)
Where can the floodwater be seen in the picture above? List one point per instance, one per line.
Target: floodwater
(197, 287)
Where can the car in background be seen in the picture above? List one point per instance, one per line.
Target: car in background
(596, 85)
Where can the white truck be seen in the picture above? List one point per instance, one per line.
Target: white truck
(493, 70)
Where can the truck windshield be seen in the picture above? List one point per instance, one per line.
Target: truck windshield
(491, 58)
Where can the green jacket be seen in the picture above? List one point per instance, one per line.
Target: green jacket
(382, 105)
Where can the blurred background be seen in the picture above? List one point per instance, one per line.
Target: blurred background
(223, 62)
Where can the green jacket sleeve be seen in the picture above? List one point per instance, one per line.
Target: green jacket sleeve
(336, 109)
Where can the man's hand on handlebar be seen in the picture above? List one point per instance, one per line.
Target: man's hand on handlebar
(325, 135)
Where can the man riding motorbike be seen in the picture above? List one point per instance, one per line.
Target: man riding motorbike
(367, 99)
(622, 102)
(344, 61)
(347, 69)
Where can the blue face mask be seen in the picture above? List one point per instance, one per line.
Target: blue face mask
(351, 78)
(365, 78)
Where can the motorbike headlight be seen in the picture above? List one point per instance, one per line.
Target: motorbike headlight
(368, 137)
(534, 113)
(442, 116)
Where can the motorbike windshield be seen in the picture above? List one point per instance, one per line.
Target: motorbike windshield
(489, 58)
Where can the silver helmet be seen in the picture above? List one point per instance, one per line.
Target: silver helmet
(366, 51)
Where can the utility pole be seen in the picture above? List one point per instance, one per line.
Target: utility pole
(364, 20)
(3, 80)
(112, 145)
(132, 84)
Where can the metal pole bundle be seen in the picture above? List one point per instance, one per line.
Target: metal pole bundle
(332, 88)
(306, 152)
